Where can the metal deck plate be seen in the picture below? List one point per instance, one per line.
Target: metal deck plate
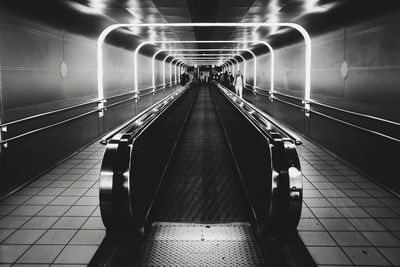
(184, 244)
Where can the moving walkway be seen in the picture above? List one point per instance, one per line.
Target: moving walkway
(201, 178)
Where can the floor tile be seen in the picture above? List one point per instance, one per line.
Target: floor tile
(316, 179)
(367, 202)
(6, 209)
(311, 193)
(353, 212)
(80, 211)
(88, 201)
(50, 192)
(310, 225)
(390, 201)
(15, 199)
(365, 256)
(88, 237)
(64, 200)
(332, 193)
(379, 193)
(39, 183)
(69, 223)
(10, 253)
(41, 254)
(392, 254)
(39, 200)
(357, 178)
(26, 210)
(337, 179)
(328, 255)
(363, 224)
(4, 233)
(73, 254)
(346, 185)
(326, 213)
(24, 237)
(97, 212)
(337, 225)
(76, 171)
(13, 222)
(342, 202)
(94, 223)
(306, 213)
(83, 184)
(62, 184)
(355, 193)
(391, 224)
(28, 191)
(380, 212)
(53, 211)
(38, 222)
(317, 239)
(89, 177)
(382, 239)
(56, 237)
(93, 192)
(69, 177)
(74, 192)
(324, 185)
(50, 177)
(349, 239)
(317, 202)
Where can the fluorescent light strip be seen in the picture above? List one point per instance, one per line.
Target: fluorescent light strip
(301, 29)
(215, 50)
(210, 41)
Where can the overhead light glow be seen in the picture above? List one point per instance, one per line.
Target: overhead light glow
(106, 31)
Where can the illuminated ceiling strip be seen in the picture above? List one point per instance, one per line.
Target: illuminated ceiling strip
(170, 69)
(205, 42)
(198, 49)
(153, 65)
(301, 29)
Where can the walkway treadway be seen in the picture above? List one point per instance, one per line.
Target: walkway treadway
(347, 220)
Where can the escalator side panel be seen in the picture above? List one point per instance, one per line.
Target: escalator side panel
(252, 152)
(150, 154)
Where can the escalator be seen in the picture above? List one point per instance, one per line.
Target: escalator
(196, 181)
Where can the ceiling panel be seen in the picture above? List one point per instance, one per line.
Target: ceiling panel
(89, 17)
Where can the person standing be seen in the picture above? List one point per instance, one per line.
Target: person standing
(183, 79)
(226, 81)
(239, 84)
(231, 78)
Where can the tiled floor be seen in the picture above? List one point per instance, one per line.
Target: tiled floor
(346, 220)
(56, 219)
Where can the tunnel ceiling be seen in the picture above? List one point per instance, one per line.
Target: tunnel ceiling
(90, 17)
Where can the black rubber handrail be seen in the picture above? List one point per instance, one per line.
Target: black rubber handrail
(144, 117)
(263, 120)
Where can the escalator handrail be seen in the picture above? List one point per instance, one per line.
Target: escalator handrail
(115, 191)
(134, 125)
(286, 182)
(262, 120)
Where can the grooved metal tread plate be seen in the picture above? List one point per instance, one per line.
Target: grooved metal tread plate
(190, 244)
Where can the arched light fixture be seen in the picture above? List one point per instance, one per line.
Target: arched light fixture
(301, 29)
(214, 42)
(207, 49)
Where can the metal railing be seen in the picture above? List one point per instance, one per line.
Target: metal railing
(358, 114)
(135, 96)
